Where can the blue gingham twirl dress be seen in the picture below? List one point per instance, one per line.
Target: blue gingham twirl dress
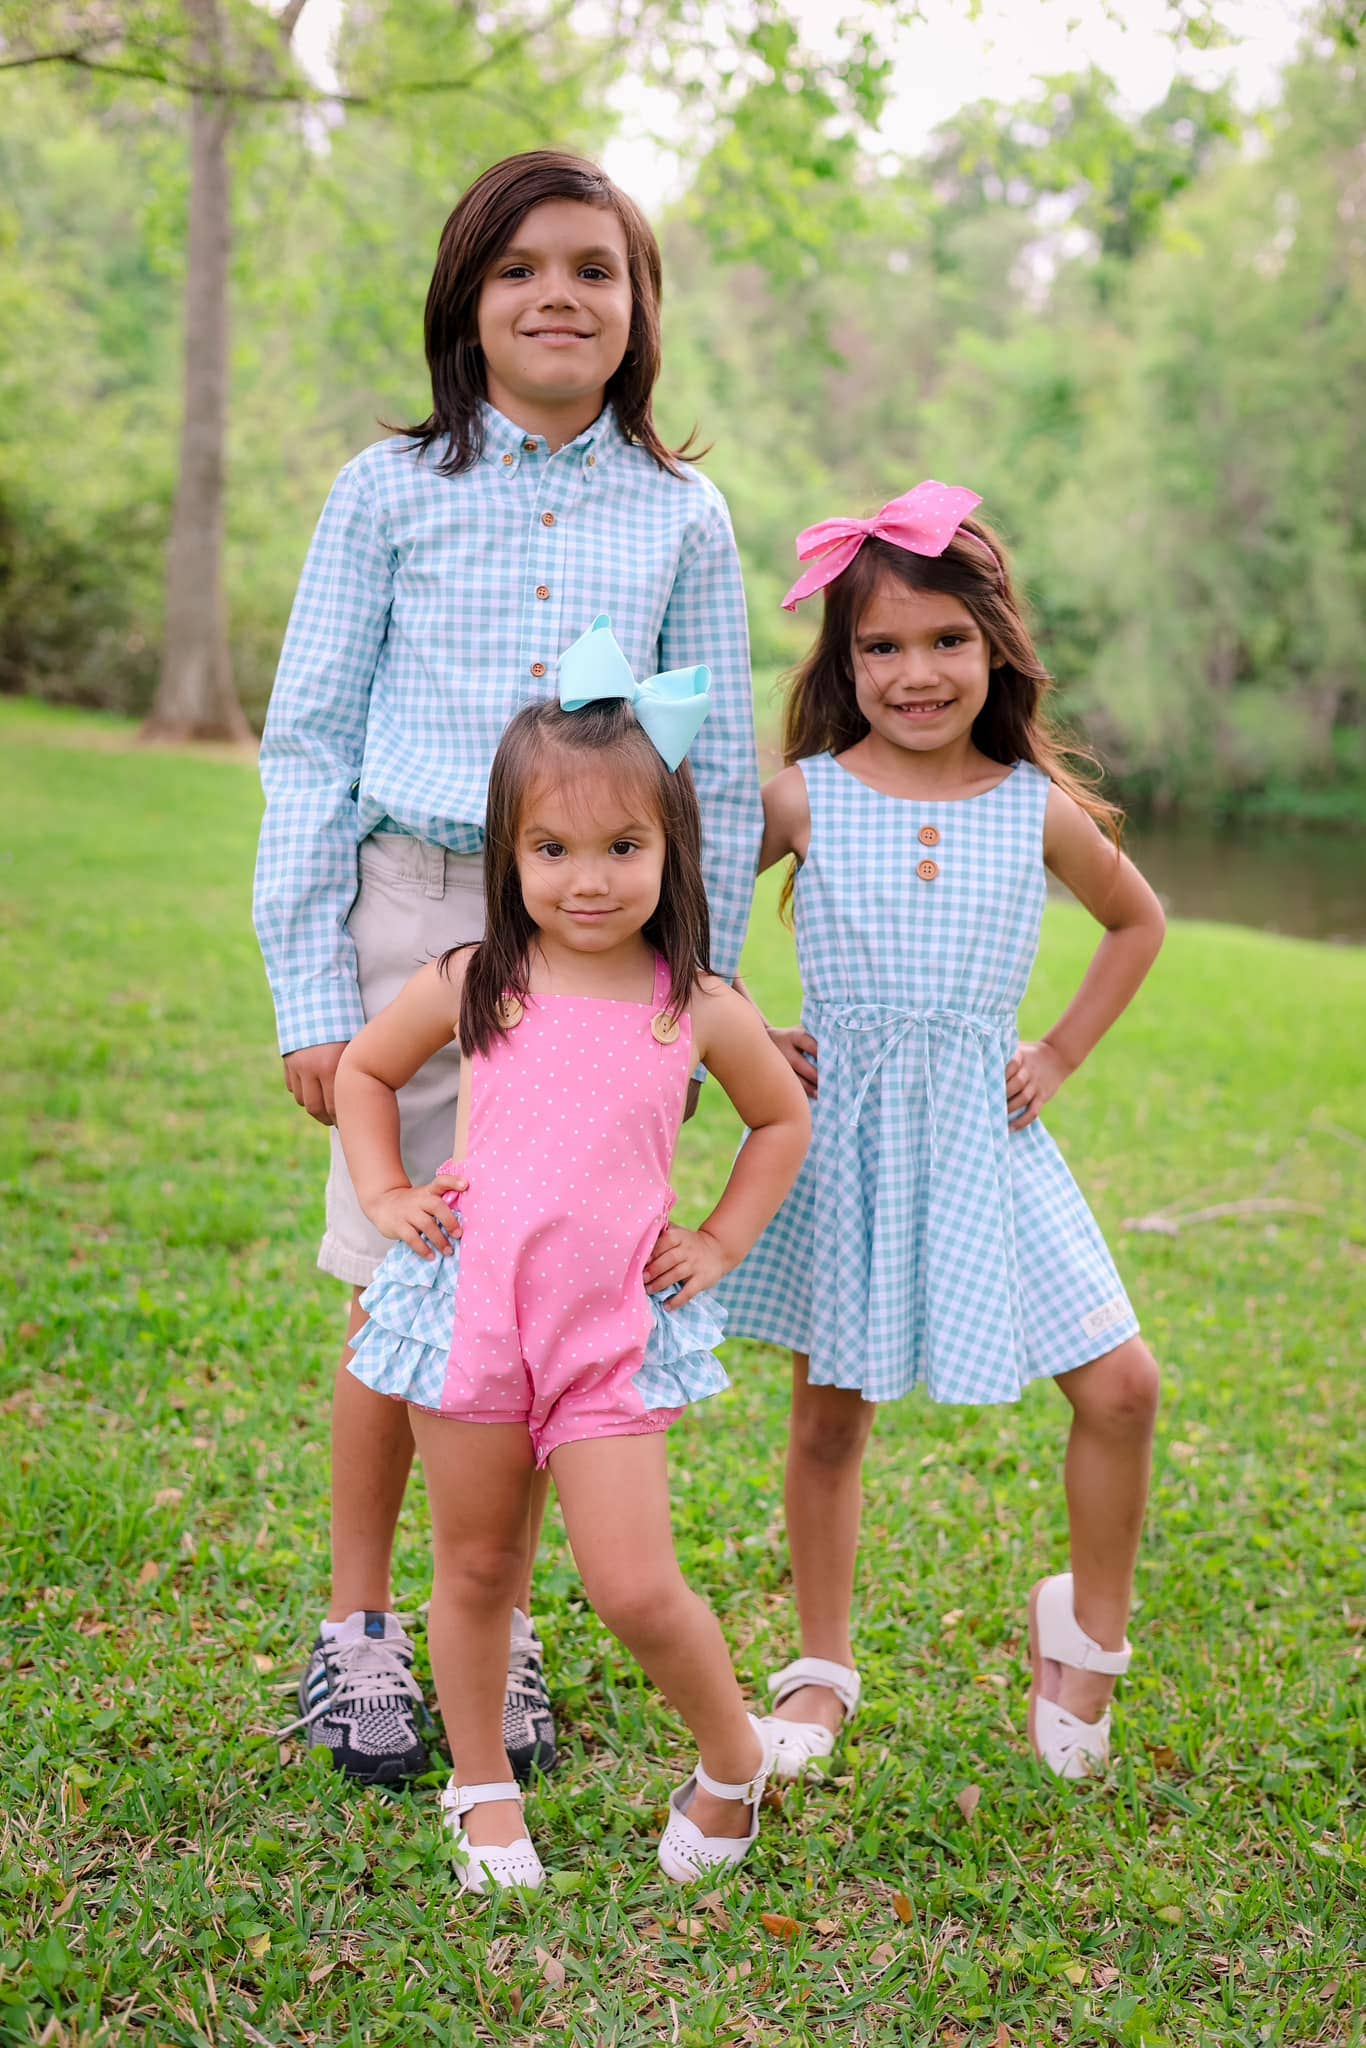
(925, 1241)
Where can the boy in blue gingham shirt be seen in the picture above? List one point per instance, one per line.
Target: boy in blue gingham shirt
(451, 567)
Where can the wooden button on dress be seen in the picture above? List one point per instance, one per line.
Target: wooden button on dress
(510, 1013)
(927, 870)
(929, 835)
(664, 1029)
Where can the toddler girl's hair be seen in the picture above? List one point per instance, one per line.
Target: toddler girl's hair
(483, 223)
(1013, 725)
(545, 744)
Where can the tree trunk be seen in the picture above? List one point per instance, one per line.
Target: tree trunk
(195, 698)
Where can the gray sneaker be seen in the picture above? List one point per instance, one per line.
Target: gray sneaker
(528, 1723)
(359, 1699)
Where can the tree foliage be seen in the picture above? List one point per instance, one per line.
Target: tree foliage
(1139, 336)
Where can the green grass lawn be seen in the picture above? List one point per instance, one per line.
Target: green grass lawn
(169, 1873)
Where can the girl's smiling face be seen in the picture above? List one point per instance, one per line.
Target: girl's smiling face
(555, 310)
(590, 858)
(922, 667)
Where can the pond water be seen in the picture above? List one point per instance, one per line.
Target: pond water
(1305, 884)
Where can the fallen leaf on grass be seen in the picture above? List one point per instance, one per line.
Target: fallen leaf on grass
(1076, 1974)
(968, 1800)
(261, 1662)
(690, 1928)
(1104, 1975)
(952, 1618)
(827, 1927)
(1001, 2038)
(882, 1954)
(1171, 1914)
(323, 1970)
(902, 1907)
(259, 1947)
(1164, 1759)
(737, 1972)
(781, 1926)
(552, 1971)
(168, 1496)
(151, 1570)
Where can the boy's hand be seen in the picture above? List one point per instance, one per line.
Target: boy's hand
(690, 1260)
(1033, 1078)
(422, 1217)
(798, 1048)
(309, 1076)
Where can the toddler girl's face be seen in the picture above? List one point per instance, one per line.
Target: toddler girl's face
(555, 309)
(590, 857)
(922, 667)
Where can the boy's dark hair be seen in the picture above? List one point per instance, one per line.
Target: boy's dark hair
(544, 741)
(483, 223)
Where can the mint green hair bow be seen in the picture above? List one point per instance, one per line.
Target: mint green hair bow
(671, 707)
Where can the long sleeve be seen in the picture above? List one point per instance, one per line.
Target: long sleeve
(706, 621)
(311, 755)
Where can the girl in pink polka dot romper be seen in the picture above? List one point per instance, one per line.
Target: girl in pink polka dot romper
(557, 1317)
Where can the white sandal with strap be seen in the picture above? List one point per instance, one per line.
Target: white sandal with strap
(485, 1865)
(1069, 1747)
(799, 1743)
(684, 1851)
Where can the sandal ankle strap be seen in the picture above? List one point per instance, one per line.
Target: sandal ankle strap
(840, 1679)
(458, 1799)
(752, 1788)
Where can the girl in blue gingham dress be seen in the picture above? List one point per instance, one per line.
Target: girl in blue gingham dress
(936, 1236)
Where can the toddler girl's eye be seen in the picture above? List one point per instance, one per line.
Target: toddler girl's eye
(594, 272)
(953, 639)
(551, 848)
(623, 846)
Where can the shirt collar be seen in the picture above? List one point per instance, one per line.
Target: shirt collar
(504, 438)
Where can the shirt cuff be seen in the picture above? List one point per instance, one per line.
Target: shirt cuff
(317, 1013)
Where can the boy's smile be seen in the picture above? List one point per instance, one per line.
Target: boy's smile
(555, 317)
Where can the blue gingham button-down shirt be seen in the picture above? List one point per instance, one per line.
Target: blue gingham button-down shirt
(431, 609)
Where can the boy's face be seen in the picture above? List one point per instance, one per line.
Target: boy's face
(590, 858)
(922, 667)
(555, 309)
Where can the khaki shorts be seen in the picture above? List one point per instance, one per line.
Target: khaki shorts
(414, 901)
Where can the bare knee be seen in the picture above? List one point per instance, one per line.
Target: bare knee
(1118, 1393)
(830, 1434)
(480, 1575)
(640, 1609)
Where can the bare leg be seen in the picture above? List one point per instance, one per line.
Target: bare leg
(614, 1493)
(540, 1495)
(829, 1433)
(1109, 1459)
(372, 1451)
(478, 1476)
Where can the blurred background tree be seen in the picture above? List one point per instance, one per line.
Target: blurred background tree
(1140, 335)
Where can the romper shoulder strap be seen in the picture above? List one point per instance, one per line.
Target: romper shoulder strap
(663, 983)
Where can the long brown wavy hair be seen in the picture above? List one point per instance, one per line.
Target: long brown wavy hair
(484, 221)
(544, 744)
(822, 714)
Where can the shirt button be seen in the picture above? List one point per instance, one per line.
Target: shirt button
(929, 835)
(927, 870)
(538, 669)
(543, 591)
(547, 518)
(529, 445)
(592, 461)
(508, 461)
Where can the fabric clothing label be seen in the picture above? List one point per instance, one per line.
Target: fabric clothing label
(1106, 1316)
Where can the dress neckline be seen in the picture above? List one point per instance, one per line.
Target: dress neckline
(926, 803)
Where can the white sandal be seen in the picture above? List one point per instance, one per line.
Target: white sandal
(684, 1851)
(517, 1864)
(796, 1744)
(1069, 1747)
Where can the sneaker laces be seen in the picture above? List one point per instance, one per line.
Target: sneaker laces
(369, 1672)
(525, 1667)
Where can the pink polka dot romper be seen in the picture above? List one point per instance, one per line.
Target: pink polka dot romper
(541, 1315)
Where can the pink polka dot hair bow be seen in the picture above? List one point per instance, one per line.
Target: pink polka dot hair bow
(923, 521)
